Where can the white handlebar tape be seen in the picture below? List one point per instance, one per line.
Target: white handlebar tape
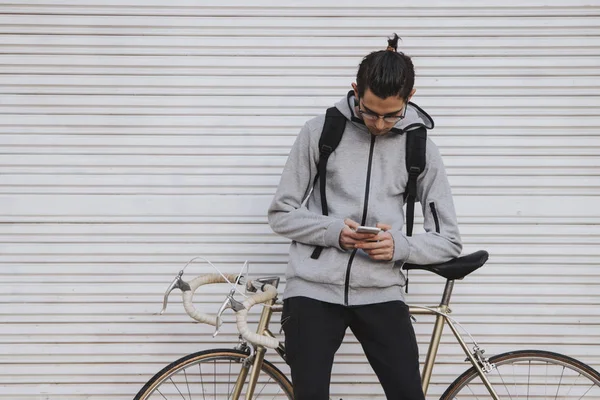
(269, 292)
(188, 296)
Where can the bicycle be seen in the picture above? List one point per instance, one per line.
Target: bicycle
(531, 370)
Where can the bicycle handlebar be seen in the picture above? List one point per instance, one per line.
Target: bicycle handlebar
(269, 292)
(264, 293)
(188, 296)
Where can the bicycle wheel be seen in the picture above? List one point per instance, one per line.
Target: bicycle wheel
(530, 374)
(212, 374)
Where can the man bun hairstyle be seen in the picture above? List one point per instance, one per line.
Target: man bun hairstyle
(393, 43)
(386, 72)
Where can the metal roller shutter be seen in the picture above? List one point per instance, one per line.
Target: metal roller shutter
(139, 134)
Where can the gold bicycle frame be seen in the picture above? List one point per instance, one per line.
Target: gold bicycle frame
(441, 312)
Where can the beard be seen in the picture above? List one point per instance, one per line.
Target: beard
(377, 132)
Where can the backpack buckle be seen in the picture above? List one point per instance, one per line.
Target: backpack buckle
(414, 171)
(325, 149)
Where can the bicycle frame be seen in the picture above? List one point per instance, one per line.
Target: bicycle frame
(441, 312)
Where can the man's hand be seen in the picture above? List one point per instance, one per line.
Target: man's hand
(349, 238)
(379, 247)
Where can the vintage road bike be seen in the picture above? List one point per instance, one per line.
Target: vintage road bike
(243, 372)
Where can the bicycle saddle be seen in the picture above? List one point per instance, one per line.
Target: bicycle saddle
(456, 268)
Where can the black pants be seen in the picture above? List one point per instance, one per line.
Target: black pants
(314, 331)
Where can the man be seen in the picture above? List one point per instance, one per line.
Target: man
(356, 281)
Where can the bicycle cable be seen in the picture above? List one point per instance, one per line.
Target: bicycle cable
(453, 321)
(235, 285)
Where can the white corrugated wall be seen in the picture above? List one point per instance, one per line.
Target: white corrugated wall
(136, 135)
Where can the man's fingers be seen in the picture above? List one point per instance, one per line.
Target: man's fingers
(351, 223)
(360, 237)
(373, 245)
(377, 246)
(348, 232)
(384, 227)
(382, 249)
(375, 252)
(349, 241)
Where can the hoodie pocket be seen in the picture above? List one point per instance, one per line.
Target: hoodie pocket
(367, 273)
(328, 268)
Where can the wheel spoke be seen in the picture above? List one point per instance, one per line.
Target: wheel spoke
(215, 377)
(229, 381)
(559, 382)
(505, 387)
(177, 387)
(471, 390)
(263, 388)
(180, 380)
(279, 391)
(230, 393)
(201, 379)
(586, 392)
(573, 385)
(163, 396)
(546, 375)
(515, 380)
(546, 384)
(528, 379)
(187, 384)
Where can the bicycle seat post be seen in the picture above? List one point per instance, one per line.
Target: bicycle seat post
(447, 293)
(436, 335)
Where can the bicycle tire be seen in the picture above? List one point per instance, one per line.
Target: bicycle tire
(581, 377)
(180, 387)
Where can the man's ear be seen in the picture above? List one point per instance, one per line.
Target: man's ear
(355, 90)
(412, 93)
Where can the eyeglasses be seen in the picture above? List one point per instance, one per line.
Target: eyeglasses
(390, 119)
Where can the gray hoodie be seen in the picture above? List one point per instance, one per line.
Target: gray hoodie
(350, 277)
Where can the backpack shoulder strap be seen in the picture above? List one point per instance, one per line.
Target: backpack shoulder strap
(416, 147)
(333, 129)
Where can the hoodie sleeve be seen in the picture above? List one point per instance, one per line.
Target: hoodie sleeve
(441, 241)
(287, 214)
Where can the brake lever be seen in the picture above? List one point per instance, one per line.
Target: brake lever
(229, 302)
(178, 283)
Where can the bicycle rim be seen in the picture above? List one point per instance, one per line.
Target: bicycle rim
(212, 374)
(530, 374)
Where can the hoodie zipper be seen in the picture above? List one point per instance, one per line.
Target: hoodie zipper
(364, 218)
(435, 217)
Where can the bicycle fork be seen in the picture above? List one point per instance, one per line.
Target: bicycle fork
(256, 360)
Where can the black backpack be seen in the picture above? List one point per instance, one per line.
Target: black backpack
(416, 145)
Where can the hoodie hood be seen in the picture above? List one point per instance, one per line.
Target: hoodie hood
(415, 116)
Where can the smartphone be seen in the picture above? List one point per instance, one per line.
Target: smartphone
(368, 229)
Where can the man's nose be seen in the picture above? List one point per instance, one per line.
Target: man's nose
(380, 124)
